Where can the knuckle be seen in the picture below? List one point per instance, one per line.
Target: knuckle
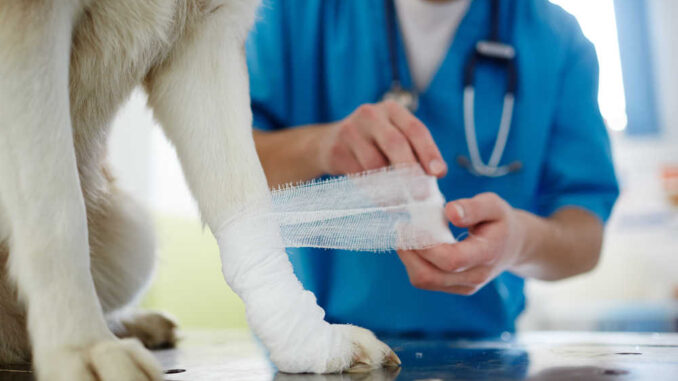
(347, 130)
(390, 105)
(367, 111)
(490, 196)
(495, 199)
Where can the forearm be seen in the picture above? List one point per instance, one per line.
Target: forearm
(290, 155)
(563, 245)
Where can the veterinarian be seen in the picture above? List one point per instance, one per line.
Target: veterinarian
(320, 73)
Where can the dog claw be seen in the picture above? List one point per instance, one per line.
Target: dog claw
(392, 360)
(362, 364)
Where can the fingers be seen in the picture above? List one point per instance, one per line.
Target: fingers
(419, 138)
(474, 251)
(426, 276)
(421, 273)
(456, 257)
(464, 267)
(377, 135)
(375, 126)
(484, 207)
(468, 282)
(363, 150)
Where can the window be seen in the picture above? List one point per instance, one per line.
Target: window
(597, 20)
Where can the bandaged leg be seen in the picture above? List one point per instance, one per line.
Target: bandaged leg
(396, 208)
(282, 314)
(200, 96)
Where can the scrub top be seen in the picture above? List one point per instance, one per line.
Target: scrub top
(316, 61)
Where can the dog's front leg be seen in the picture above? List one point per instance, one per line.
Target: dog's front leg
(200, 96)
(41, 198)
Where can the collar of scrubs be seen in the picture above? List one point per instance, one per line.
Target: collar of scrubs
(474, 26)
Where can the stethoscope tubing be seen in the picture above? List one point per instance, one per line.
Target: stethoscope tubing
(492, 168)
(493, 50)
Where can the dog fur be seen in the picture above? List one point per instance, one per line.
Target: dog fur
(74, 249)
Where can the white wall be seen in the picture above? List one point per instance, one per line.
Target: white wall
(145, 163)
(128, 147)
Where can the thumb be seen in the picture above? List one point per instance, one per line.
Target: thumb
(468, 212)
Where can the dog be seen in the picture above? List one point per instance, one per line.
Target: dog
(75, 251)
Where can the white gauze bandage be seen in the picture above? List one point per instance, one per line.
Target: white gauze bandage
(389, 209)
(396, 208)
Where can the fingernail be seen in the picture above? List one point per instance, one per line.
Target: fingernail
(460, 210)
(436, 166)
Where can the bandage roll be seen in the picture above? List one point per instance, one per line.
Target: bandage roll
(388, 209)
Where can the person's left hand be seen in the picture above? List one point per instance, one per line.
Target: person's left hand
(495, 243)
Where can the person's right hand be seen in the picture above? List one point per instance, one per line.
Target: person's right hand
(377, 135)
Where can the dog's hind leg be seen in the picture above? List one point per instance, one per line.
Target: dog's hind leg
(41, 197)
(14, 345)
(123, 256)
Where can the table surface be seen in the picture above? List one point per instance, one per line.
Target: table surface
(235, 355)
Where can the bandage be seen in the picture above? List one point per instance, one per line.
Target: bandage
(389, 209)
(396, 208)
(284, 316)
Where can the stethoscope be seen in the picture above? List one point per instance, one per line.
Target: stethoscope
(492, 50)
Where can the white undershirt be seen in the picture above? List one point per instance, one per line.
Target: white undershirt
(428, 28)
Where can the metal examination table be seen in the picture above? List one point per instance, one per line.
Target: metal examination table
(235, 355)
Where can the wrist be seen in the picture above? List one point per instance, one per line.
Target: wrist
(291, 155)
(319, 146)
(529, 232)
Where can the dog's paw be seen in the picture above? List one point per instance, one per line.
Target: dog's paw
(155, 330)
(368, 352)
(113, 360)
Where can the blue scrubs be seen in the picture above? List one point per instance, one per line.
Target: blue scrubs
(315, 61)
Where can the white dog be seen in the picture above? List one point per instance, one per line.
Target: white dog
(74, 249)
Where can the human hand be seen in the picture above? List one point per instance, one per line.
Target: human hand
(495, 243)
(377, 135)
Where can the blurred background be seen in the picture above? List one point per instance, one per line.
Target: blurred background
(635, 286)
